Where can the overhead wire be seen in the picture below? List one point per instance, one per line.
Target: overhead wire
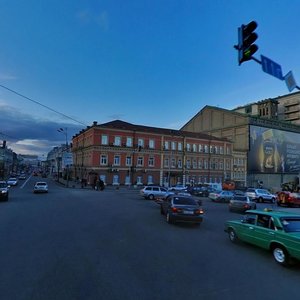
(43, 105)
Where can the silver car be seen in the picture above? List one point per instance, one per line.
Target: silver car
(241, 203)
(153, 192)
(260, 195)
(40, 187)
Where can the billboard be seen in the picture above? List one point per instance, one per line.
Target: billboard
(273, 151)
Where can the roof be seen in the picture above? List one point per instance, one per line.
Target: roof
(119, 124)
(275, 213)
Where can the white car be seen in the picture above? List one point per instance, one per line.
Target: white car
(40, 187)
(13, 181)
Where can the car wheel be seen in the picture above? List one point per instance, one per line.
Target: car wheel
(151, 197)
(273, 201)
(232, 235)
(280, 255)
(169, 218)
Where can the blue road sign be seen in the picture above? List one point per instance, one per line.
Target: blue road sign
(290, 81)
(271, 67)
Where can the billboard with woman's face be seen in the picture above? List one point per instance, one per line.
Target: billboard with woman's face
(273, 151)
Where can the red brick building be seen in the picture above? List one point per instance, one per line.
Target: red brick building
(121, 153)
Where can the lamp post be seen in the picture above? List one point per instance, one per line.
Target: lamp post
(65, 132)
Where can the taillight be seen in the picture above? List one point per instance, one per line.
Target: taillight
(199, 212)
(246, 206)
(176, 210)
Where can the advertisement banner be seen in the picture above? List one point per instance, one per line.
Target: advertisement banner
(273, 151)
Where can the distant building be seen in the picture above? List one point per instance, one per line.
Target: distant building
(265, 149)
(282, 108)
(121, 153)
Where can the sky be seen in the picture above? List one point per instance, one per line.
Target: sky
(65, 64)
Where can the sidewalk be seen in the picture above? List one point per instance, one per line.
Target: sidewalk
(73, 184)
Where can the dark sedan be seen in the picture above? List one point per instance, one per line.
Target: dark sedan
(181, 209)
(240, 203)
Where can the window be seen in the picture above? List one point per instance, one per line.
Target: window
(117, 141)
(200, 148)
(151, 162)
(221, 150)
(129, 141)
(104, 140)
(221, 167)
(141, 142)
(173, 145)
(140, 161)
(194, 148)
(151, 144)
(150, 179)
(228, 150)
(211, 149)
(179, 146)
(217, 150)
(116, 180)
(173, 163)
(127, 180)
(166, 145)
(166, 162)
(200, 164)
(188, 147)
(179, 163)
(188, 163)
(128, 161)
(117, 160)
(194, 164)
(103, 160)
(139, 180)
(205, 164)
(205, 148)
(263, 221)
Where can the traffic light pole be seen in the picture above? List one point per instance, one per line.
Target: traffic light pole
(258, 61)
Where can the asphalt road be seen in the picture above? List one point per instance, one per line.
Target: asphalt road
(86, 244)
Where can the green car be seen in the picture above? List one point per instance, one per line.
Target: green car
(276, 231)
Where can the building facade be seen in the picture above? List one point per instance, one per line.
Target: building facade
(121, 153)
(264, 149)
(283, 108)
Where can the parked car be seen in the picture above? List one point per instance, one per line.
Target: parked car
(12, 181)
(241, 203)
(177, 187)
(221, 196)
(4, 191)
(179, 208)
(260, 195)
(276, 231)
(201, 191)
(153, 192)
(40, 187)
(285, 198)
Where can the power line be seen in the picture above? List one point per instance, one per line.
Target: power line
(45, 106)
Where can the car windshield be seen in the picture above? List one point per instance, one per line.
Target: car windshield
(41, 183)
(291, 224)
(184, 201)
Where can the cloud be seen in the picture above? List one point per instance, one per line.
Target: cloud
(7, 77)
(26, 134)
(88, 17)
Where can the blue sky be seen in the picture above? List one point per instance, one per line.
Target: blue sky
(155, 63)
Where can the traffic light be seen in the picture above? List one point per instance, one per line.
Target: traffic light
(246, 38)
